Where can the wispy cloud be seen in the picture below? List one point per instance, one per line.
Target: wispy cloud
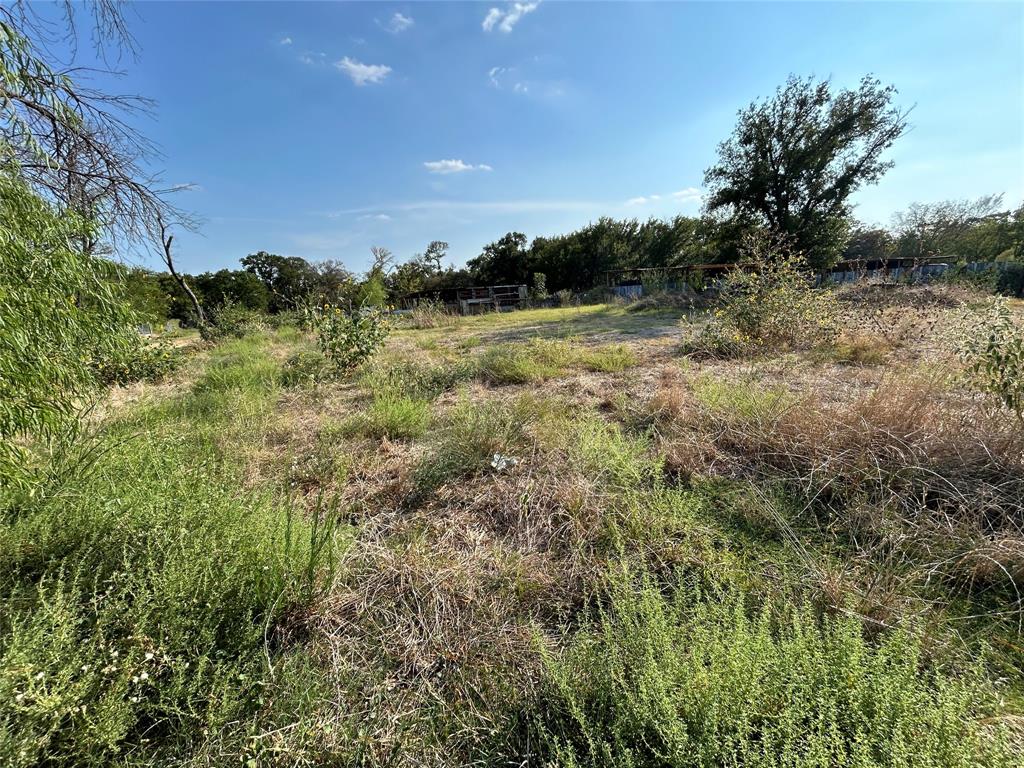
(505, 20)
(362, 74)
(398, 23)
(643, 200)
(285, 41)
(313, 59)
(498, 77)
(688, 195)
(375, 217)
(454, 166)
(494, 75)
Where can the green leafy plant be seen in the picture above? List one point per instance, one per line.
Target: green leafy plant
(231, 320)
(142, 362)
(60, 309)
(685, 681)
(347, 339)
(774, 308)
(993, 352)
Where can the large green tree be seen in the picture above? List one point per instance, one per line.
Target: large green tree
(793, 160)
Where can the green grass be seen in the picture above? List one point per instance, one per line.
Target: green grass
(695, 680)
(540, 359)
(397, 417)
(138, 597)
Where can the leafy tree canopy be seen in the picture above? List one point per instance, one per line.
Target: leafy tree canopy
(794, 160)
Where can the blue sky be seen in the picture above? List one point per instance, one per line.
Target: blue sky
(321, 129)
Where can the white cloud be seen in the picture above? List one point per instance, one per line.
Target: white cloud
(639, 200)
(493, 17)
(399, 23)
(375, 217)
(494, 73)
(688, 195)
(286, 41)
(313, 59)
(454, 166)
(362, 74)
(507, 19)
(520, 88)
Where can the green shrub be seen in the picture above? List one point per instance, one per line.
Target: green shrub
(693, 681)
(993, 351)
(348, 339)
(231, 320)
(142, 362)
(773, 309)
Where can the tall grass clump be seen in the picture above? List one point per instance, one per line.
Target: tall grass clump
(693, 680)
(432, 314)
(474, 438)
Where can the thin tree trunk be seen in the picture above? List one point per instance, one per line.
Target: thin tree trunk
(166, 240)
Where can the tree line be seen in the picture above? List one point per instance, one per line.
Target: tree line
(785, 175)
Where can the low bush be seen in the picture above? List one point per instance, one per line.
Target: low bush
(139, 362)
(698, 681)
(348, 339)
(773, 309)
(231, 320)
(992, 348)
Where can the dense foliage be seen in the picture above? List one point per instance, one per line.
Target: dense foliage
(794, 160)
(60, 316)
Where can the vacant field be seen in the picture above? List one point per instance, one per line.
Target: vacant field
(549, 537)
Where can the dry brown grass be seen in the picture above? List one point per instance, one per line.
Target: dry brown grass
(924, 483)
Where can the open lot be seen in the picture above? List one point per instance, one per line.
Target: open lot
(534, 536)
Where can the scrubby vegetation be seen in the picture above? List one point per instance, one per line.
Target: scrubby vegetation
(778, 523)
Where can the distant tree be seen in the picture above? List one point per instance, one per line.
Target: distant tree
(145, 294)
(235, 285)
(867, 243)
(166, 241)
(383, 261)
(502, 262)
(334, 283)
(287, 278)
(434, 255)
(794, 160)
(972, 230)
